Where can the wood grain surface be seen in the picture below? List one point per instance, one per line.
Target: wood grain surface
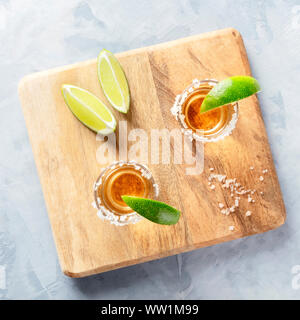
(65, 155)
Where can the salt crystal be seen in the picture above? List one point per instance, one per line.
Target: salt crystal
(231, 228)
(248, 213)
(225, 211)
(251, 168)
(220, 177)
(261, 193)
(232, 209)
(221, 205)
(261, 178)
(265, 171)
(211, 169)
(213, 187)
(156, 189)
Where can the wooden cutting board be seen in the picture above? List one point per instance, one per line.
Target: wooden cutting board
(65, 154)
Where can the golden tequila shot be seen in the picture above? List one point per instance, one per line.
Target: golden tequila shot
(122, 178)
(210, 126)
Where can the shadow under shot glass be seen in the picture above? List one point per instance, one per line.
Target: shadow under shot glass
(122, 178)
(210, 126)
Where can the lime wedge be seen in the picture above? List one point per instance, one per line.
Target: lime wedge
(88, 109)
(155, 211)
(229, 90)
(113, 81)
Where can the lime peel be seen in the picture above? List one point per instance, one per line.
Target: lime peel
(228, 91)
(153, 210)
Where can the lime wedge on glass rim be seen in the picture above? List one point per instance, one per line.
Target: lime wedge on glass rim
(228, 91)
(153, 210)
(113, 81)
(88, 109)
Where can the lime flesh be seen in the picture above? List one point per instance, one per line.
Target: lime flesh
(155, 211)
(228, 91)
(113, 81)
(88, 109)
